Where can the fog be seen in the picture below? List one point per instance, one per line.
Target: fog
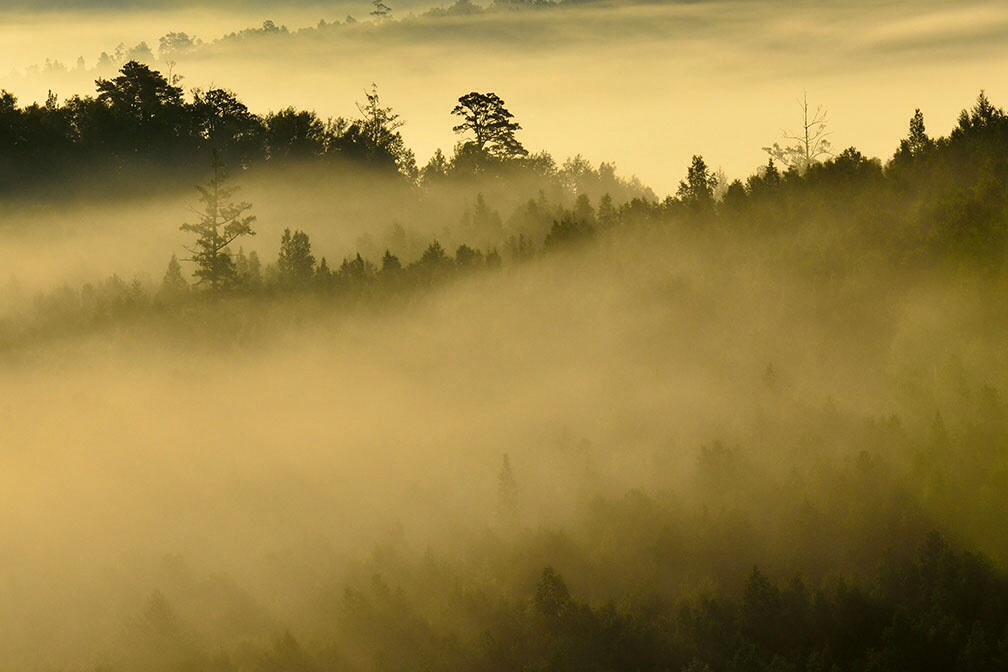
(194, 483)
(645, 87)
(240, 458)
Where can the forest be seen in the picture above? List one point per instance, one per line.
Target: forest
(536, 417)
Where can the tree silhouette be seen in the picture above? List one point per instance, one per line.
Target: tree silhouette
(374, 139)
(983, 115)
(173, 286)
(294, 135)
(917, 142)
(507, 493)
(381, 11)
(808, 145)
(484, 115)
(144, 111)
(295, 263)
(697, 189)
(225, 123)
(552, 598)
(220, 223)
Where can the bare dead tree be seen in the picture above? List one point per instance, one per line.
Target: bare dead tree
(809, 145)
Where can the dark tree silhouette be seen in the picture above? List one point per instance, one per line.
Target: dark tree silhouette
(381, 11)
(492, 125)
(225, 123)
(982, 116)
(145, 113)
(917, 142)
(294, 135)
(697, 189)
(374, 139)
(295, 262)
(220, 223)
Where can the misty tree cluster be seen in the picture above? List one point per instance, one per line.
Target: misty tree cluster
(937, 203)
(176, 45)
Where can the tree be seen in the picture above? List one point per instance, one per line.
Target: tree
(567, 230)
(145, 111)
(983, 115)
(467, 257)
(295, 263)
(293, 135)
(357, 270)
(225, 123)
(766, 182)
(220, 223)
(484, 115)
(374, 138)
(552, 597)
(174, 44)
(697, 189)
(808, 145)
(381, 11)
(248, 268)
(436, 169)
(173, 286)
(391, 266)
(917, 141)
(507, 493)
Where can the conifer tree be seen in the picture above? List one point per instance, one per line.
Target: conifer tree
(173, 285)
(221, 221)
(296, 262)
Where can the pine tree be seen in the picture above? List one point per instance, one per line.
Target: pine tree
(507, 493)
(606, 212)
(381, 11)
(173, 286)
(917, 142)
(492, 125)
(220, 223)
(698, 187)
(295, 263)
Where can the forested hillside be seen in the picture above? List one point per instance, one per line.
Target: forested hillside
(535, 417)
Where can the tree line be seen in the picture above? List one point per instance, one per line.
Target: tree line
(141, 118)
(939, 203)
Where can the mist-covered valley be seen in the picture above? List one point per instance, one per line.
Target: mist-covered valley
(494, 408)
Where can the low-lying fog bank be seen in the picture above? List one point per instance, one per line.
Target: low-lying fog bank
(241, 479)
